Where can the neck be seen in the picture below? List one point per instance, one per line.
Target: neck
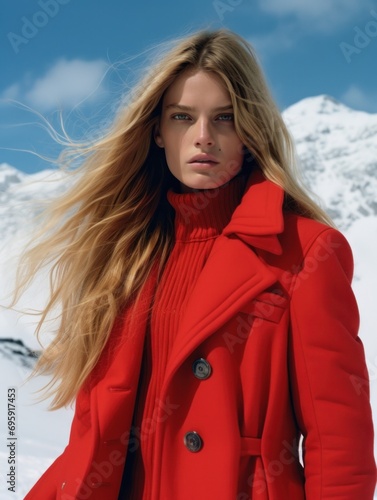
(202, 214)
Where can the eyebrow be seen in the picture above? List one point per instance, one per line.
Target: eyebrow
(190, 108)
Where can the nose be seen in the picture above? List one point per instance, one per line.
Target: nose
(203, 133)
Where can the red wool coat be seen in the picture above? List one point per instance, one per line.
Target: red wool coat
(267, 351)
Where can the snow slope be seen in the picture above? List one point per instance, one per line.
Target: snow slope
(41, 435)
(337, 149)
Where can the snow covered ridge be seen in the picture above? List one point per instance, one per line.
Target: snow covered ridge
(337, 149)
(21, 193)
(9, 176)
(16, 351)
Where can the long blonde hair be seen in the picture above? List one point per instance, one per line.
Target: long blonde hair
(106, 232)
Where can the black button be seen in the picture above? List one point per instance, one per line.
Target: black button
(201, 368)
(193, 441)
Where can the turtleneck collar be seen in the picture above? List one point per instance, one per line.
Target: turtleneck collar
(203, 214)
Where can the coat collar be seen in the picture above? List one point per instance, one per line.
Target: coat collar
(259, 217)
(233, 274)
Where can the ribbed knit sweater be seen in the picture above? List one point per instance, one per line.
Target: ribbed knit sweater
(199, 218)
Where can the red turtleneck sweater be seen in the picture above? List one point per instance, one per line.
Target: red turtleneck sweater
(199, 218)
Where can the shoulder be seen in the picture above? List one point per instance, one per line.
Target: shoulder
(304, 238)
(302, 230)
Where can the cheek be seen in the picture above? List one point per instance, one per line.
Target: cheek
(172, 150)
(173, 141)
(236, 150)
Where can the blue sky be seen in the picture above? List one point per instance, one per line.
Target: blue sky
(77, 57)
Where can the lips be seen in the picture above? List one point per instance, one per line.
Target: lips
(203, 158)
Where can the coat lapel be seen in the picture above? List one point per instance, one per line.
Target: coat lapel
(233, 274)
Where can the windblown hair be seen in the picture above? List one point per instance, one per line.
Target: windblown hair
(106, 232)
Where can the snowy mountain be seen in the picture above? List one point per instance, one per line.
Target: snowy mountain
(17, 352)
(41, 435)
(337, 149)
(22, 195)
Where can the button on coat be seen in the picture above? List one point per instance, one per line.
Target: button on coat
(201, 368)
(193, 441)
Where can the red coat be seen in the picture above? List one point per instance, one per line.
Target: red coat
(267, 350)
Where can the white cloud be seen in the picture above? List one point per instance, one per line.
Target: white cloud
(65, 84)
(318, 15)
(357, 98)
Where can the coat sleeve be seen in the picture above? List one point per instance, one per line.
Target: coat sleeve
(329, 380)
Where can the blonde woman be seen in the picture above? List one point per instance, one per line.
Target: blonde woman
(208, 322)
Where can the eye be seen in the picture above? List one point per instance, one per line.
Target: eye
(227, 117)
(180, 116)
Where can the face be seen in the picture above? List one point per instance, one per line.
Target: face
(196, 129)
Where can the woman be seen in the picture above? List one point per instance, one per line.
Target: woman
(208, 322)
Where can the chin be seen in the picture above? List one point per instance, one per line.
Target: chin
(197, 186)
(188, 185)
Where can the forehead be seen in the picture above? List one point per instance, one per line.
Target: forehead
(196, 84)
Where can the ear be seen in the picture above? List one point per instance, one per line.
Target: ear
(157, 136)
